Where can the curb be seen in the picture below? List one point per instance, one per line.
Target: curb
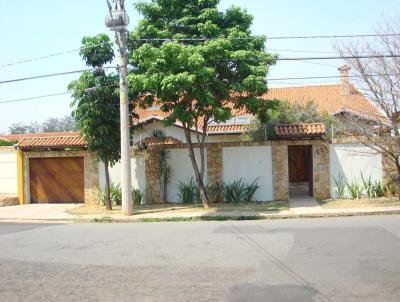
(108, 219)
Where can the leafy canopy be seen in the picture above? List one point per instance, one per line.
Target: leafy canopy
(97, 50)
(97, 114)
(197, 79)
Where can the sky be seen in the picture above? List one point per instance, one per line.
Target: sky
(36, 28)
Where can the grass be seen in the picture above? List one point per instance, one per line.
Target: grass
(183, 208)
(359, 203)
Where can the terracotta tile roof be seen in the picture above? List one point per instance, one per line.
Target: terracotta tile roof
(299, 130)
(327, 98)
(57, 141)
(17, 137)
(151, 141)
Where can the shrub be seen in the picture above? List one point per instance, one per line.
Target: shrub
(115, 195)
(354, 189)
(240, 191)
(250, 190)
(137, 197)
(188, 191)
(215, 191)
(368, 186)
(234, 191)
(378, 190)
(340, 186)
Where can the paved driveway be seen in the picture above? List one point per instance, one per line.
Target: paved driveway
(332, 259)
(45, 211)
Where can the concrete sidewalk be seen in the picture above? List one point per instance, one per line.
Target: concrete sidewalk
(57, 213)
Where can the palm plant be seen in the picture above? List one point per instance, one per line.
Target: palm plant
(340, 186)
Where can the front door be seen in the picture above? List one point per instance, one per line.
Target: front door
(300, 167)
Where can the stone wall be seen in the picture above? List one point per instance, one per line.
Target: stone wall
(280, 170)
(90, 172)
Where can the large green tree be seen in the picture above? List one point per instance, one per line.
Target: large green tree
(96, 105)
(198, 63)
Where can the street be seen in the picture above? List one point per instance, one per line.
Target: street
(331, 259)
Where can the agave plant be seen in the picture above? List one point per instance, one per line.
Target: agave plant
(234, 191)
(368, 186)
(137, 197)
(188, 191)
(354, 189)
(340, 186)
(250, 190)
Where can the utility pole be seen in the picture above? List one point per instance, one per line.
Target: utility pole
(117, 21)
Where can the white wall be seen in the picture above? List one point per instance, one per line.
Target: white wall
(182, 170)
(249, 163)
(137, 173)
(350, 160)
(8, 171)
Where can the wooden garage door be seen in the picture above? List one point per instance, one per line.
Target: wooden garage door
(56, 180)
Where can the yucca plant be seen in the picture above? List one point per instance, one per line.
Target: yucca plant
(378, 190)
(354, 189)
(188, 191)
(137, 197)
(368, 186)
(340, 186)
(250, 190)
(234, 191)
(215, 191)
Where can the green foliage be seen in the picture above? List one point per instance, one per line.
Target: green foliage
(215, 191)
(240, 191)
(378, 189)
(198, 79)
(284, 112)
(137, 197)
(97, 50)
(354, 189)
(7, 143)
(340, 186)
(368, 186)
(115, 195)
(97, 115)
(188, 191)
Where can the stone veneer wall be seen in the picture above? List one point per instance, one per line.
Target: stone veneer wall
(152, 175)
(91, 172)
(280, 168)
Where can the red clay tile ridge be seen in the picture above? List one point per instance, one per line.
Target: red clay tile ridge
(52, 142)
(299, 130)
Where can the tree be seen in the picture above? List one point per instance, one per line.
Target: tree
(284, 112)
(51, 124)
(97, 110)
(198, 81)
(379, 80)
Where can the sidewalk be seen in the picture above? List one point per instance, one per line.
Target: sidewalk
(57, 213)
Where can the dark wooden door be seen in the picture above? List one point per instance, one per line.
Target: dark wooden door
(56, 180)
(299, 157)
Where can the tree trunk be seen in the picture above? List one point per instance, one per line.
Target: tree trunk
(198, 177)
(164, 188)
(107, 188)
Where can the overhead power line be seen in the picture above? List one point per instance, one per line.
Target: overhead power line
(340, 57)
(52, 55)
(50, 75)
(91, 89)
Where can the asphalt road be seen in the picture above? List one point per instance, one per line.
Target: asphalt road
(333, 259)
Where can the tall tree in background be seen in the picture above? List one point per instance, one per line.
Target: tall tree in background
(51, 124)
(97, 110)
(379, 80)
(198, 81)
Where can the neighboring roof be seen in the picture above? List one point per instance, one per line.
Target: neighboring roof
(56, 141)
(17, 137)
(299, 130)
(327, 98)
(152, 141)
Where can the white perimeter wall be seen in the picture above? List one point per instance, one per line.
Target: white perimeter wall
(350, 160)
(182, 170)
(249, 163)
(137, 173)
(8, 171)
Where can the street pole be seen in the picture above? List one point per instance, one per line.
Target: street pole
(121, 22)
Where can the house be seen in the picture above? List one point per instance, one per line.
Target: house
(57, 167)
